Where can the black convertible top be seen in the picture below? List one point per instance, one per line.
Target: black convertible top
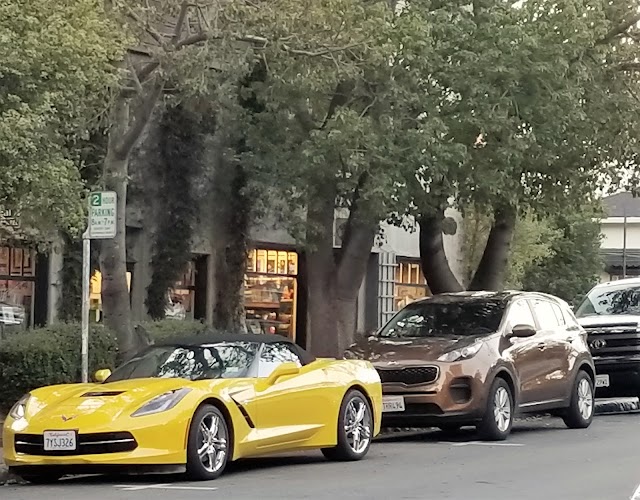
(214, 338)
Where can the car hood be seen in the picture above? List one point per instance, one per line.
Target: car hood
(381, 351)
(608, 320)
(96, 404)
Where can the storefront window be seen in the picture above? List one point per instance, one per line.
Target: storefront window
(17, 287)
(410, 284)
(180, 298)
(271, 292)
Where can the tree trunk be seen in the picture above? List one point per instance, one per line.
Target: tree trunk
(435, 265)
(124, 133)
(334, 284)
(491, 270)
(113, 262)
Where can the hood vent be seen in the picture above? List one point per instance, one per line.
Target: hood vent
(102, 394)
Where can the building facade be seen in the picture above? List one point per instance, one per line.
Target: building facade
(620, 229)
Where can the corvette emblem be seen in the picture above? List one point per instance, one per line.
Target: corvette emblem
(66, 419)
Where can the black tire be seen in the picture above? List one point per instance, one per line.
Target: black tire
(346, 450)
(211, 464)
(44, 477)
(579, 415)
(496, 424)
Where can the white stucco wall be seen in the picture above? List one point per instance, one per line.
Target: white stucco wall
(612, 230)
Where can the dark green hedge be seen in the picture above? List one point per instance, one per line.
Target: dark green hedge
(51, 355)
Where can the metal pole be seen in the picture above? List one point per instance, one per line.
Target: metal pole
(624, 245)
(86, 277)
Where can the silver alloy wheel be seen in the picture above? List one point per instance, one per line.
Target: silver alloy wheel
(212, 442)
(357, 425)
(585, 399)
(502, 409)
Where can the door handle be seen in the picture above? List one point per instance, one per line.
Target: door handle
(541, 346)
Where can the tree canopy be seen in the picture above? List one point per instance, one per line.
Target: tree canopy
(56, 67)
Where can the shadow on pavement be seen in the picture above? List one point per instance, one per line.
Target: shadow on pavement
(435, 435)
(241, 466)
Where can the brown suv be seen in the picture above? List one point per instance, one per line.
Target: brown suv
(480, 358)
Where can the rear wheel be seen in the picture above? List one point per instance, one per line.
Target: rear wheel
(580, 412)
(355, 429)
(498, 418)
(209, 444)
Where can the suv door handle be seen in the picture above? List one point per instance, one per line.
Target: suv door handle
(541, 346)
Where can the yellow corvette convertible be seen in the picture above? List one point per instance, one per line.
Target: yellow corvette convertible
(192, 406)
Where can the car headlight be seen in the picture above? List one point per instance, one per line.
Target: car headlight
(161, 403)
(19, 410)
(460, 354)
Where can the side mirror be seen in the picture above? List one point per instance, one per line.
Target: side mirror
(522, 331)
(284, 370)
(101, 375)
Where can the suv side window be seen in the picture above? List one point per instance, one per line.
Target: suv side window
(559, 315)
(546, 314)
(519, 314)
(570, 319)
(273, 355)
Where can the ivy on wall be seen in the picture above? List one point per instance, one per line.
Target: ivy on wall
(179, 166)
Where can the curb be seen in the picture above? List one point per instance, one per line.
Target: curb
(615, 406)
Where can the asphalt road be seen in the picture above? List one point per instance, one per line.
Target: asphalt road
(541, 460)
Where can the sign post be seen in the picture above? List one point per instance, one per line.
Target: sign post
(101, 226)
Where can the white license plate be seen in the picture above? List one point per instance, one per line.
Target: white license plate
(602, 380)
(60, 441)
(392, 403)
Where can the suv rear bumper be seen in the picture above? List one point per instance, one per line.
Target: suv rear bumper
(624, 377)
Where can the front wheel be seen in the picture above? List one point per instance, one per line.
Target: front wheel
(580, 412)
(208, 445)
(498, 418)
(355, 429)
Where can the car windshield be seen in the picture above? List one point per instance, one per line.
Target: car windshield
(620, 299)
(211, 361)
(438, 319)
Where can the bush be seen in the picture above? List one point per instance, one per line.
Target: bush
(52, 355)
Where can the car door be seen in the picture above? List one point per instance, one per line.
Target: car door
(554, 351)
(290, 409)
(523, 352)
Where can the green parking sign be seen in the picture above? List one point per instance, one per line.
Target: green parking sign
(102, 215)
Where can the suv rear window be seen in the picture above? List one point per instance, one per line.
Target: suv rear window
(618, 299)
(439, 319)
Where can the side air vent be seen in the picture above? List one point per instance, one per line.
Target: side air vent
(103, 394)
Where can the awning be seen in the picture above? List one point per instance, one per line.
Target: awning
(613, 257)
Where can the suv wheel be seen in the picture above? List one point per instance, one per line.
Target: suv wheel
(580, 412)
(498, 418)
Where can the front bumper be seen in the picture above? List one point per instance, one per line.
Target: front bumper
(456, 396)
(163, 445)
(624, 377)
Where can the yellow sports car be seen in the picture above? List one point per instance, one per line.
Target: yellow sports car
(192, 406)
